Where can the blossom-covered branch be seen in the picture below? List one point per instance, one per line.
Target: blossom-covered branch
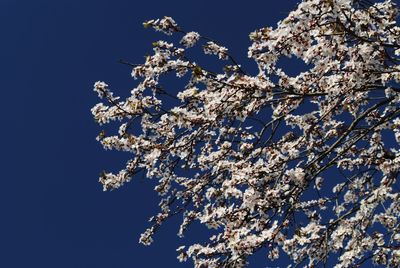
(304, 166)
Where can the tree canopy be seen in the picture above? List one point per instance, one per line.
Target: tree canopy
(304, 166)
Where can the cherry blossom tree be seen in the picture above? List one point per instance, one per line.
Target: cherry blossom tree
(301, 167)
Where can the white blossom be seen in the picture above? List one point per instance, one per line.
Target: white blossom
(190, 39)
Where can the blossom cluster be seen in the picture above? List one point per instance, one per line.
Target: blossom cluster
(298, 166)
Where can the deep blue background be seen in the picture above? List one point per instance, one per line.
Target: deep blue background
(53, 210)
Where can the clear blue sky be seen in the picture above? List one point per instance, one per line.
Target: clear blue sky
(53, 210)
